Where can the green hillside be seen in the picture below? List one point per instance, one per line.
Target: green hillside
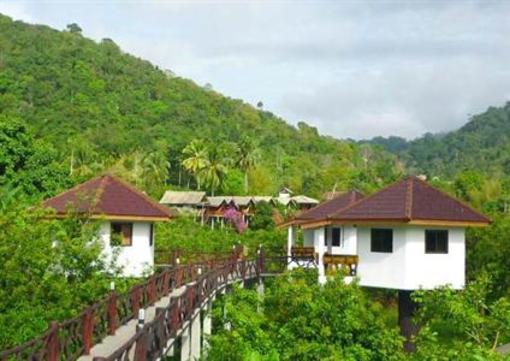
(104, 109)
(483, 144)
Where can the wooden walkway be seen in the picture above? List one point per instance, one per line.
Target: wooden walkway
(123, 334)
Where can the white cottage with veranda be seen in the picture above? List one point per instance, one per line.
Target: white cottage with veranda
(126, 217)
(407, 236)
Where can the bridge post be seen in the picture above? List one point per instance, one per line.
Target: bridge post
(195, 336)
(186, 343)
(207, 328)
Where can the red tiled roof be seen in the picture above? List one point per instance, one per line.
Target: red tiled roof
(407, 200)
(331, 206)
(109, 197)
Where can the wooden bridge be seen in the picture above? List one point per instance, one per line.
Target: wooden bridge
(176, 308)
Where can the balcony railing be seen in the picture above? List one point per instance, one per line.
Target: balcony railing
(337, 261)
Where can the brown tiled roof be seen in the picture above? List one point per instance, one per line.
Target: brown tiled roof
(109, 197)
(410, 199)
(330, 207)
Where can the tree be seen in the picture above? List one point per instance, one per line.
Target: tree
(74, 28)
(196, 159)
(214, 173)
(247, 158)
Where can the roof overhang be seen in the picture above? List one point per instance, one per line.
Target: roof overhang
(112, 217)
(387, 222)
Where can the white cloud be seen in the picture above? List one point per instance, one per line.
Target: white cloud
(353, 69)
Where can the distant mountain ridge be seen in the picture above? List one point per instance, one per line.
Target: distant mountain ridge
(482, 144)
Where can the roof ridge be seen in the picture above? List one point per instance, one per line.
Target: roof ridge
(73, 189)
(352, 195)
(367, 198)
(136, 191)
(455, 199)
(409, 197)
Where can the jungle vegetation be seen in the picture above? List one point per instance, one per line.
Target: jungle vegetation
(72, 108)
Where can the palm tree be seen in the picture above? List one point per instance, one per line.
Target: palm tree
(247, 158)
(215, 169)
(214, 174)
(196, 159)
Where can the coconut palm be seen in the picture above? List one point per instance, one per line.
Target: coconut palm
(247, 158)
(196, 159)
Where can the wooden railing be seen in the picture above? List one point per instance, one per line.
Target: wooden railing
(75, 337)
(150, 342)
(349, 263)
(302, 252)
(70, 339)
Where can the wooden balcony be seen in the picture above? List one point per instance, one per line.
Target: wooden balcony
(302, 252)
(336, 261)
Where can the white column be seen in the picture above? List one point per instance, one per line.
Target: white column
(290, 240)
(318, 240)
(196, 337)
(186, 344)
(207, 328)
(329, 239)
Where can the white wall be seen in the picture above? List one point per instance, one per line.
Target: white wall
(408, 267)
(134, 259)
(428, 271)
(348, 240)
(382, 269)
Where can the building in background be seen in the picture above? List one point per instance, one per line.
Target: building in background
(211, 209)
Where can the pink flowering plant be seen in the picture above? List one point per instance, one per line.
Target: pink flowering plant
(235, 218)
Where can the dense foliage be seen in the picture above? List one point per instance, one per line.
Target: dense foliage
(71, 108)
(104, 109)
(297, 319)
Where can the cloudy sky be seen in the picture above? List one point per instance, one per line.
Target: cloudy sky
(353, 69)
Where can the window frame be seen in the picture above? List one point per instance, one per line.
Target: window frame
(126, 232)
(377, 245)
(435, 249)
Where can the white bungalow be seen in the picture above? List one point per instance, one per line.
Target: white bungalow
(407, 236)
(126, 218)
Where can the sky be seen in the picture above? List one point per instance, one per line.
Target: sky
(353, 69)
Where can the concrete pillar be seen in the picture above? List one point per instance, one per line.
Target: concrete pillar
(171, 351)
(406, 311)
(196, 335)
(318, 241)
(290, 242)
(206, 328)
(186, 344)
(260, 292)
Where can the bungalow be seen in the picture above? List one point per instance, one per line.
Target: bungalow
(407, 236)
(184, 201)
(126, 219)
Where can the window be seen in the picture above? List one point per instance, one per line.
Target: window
(381, 240)
(151, 235)
(336, 236)
(122, 234)
(436, 241)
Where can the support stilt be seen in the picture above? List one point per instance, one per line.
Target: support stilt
(196, 335)
(406, 311)
(207, 328)
(186, 344)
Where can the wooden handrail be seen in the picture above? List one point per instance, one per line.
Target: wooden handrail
(55, 343)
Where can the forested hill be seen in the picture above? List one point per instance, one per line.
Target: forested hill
(101, 108)
(483, 144)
